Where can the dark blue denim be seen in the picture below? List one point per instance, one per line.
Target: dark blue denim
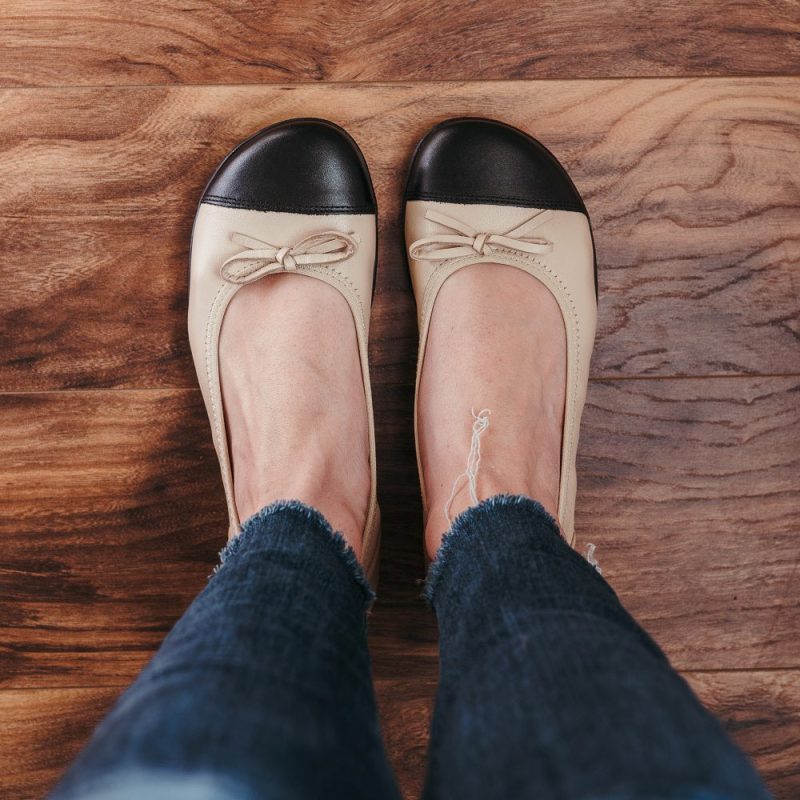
(549, 689)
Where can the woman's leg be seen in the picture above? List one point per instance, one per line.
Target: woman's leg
(549, 689)
(263, 687)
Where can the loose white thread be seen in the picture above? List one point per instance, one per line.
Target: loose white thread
(470, 474)
(590, 548)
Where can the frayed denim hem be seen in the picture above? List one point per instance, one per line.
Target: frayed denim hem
(461, 527)
(311, 519)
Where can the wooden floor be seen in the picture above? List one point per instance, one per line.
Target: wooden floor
(679, 122)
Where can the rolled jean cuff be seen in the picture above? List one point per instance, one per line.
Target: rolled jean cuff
(290, 529)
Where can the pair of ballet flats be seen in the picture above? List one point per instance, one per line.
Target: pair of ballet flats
(297, 198)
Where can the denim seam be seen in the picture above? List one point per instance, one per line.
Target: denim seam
(460, 528)
(314, 520)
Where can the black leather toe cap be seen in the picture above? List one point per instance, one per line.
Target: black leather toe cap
(488, 162)
(304, 166)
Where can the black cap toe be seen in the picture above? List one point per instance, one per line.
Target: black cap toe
(489, 162)
(305, 166)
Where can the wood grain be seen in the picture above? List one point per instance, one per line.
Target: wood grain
(697, 217)
(111, 509)
(43, 730)
(58, 42)
(111, 518)
(112, 514)
(761, 712)
(689, 489)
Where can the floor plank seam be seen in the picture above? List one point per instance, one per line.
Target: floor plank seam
(393, 385)
(411, 83)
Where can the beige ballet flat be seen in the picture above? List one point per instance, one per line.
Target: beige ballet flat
(295, 198)
(483, 192)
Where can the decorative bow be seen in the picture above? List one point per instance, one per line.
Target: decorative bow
(328, 247)
(442, 247)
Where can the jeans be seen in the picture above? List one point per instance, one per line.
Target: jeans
(549, 689)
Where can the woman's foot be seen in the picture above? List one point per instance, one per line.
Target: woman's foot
(294, 401)
(496, 341)
(502, 266)
(282, 268)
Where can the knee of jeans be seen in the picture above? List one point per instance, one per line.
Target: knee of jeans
(138, 782)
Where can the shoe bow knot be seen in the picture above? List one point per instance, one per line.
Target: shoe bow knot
(319, 249)
(467, 242)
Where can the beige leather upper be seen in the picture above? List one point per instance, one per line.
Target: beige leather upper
(216, 239)
(568, 272)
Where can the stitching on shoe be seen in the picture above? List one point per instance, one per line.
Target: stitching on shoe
(229, 202)
(493, 199)
(216, 310)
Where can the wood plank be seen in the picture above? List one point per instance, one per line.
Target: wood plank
(44, 729)
(58, 42)
(112, 514)
(697, 217)
(405, 706)
(689, 489)
(761, 711)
